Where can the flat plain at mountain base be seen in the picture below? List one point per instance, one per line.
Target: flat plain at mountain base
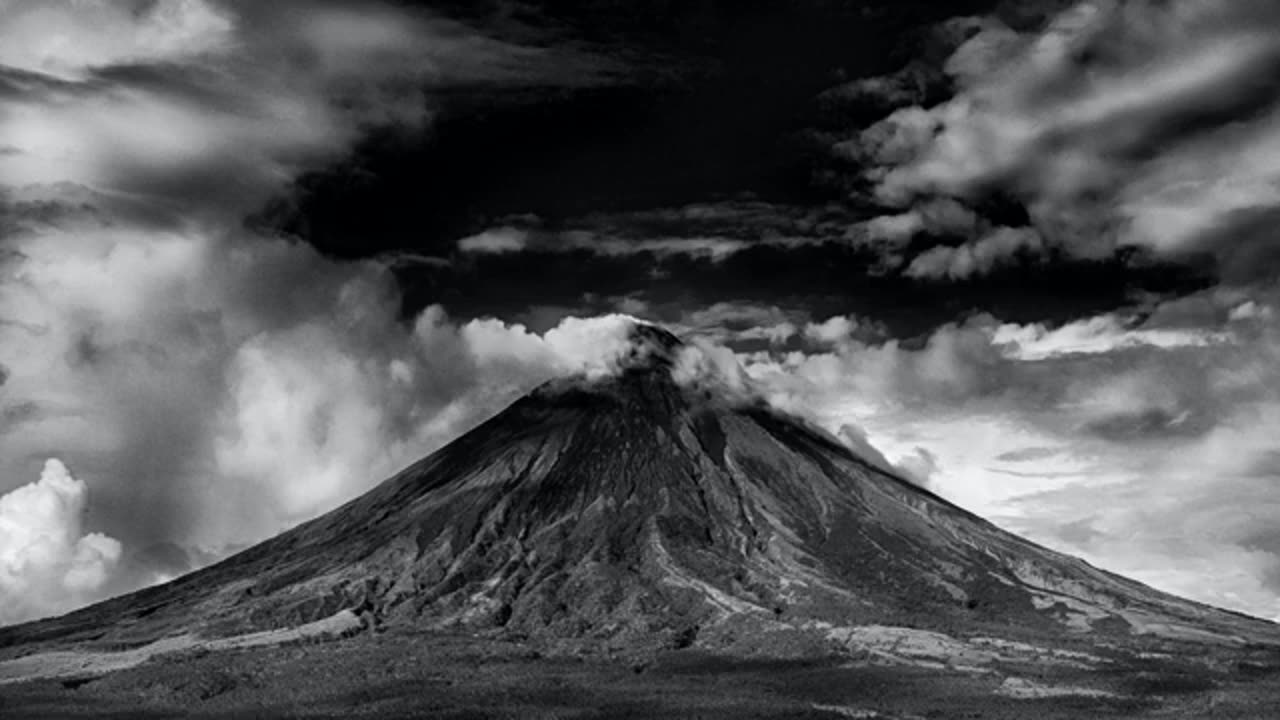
(430, 674)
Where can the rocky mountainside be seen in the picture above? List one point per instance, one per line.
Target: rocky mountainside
(651, 506)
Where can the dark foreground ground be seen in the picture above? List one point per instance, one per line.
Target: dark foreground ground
(402, 674)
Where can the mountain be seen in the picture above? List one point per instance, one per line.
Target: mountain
(657, 506)
(653, 507)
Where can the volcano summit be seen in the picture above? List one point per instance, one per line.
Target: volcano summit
(658, 505)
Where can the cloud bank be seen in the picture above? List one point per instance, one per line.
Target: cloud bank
(1141, 124)
(1139, 130)
(233, 391)
(212, 384)
(1139, 439)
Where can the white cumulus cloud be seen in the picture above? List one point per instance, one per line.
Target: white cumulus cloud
(48, 564)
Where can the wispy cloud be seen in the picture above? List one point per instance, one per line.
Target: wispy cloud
(713, 231)
(507, 239)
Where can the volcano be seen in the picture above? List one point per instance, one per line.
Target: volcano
(663, 505)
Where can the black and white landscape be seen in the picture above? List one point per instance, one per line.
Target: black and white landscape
(639, 359)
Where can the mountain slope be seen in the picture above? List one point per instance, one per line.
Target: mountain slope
(652, 506)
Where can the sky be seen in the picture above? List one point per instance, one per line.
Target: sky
(257, 257)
